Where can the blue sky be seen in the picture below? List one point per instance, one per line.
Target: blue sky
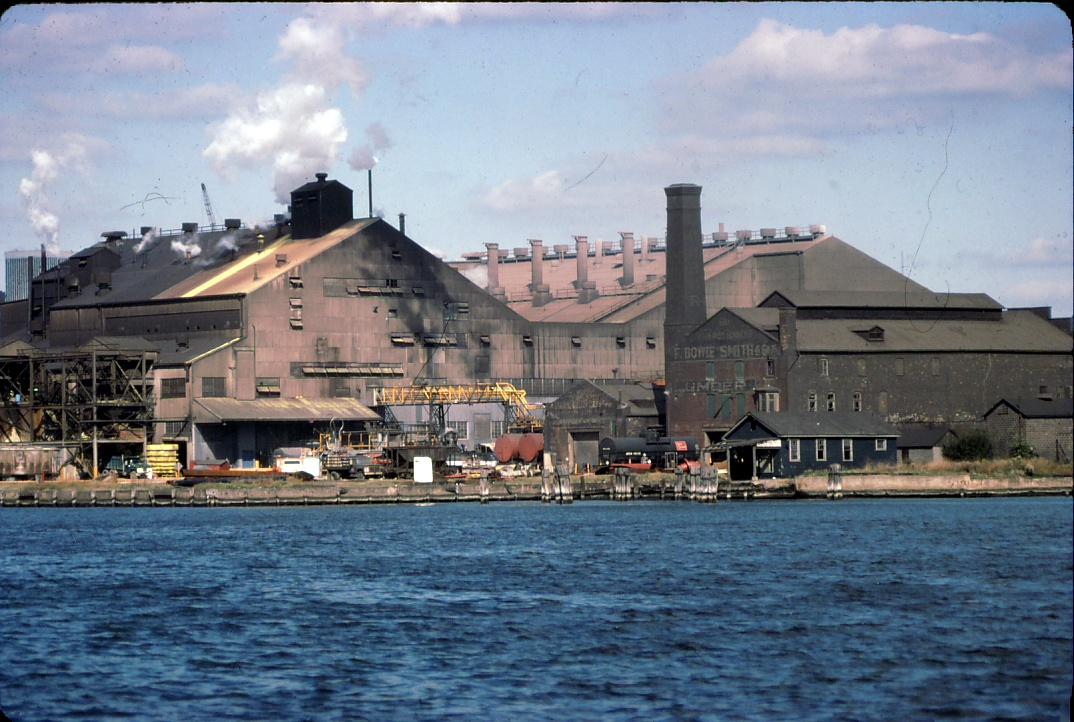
(934, 136)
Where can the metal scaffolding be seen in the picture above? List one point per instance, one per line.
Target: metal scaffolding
(82, 399)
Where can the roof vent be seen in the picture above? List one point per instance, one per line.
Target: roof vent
(743, 235)
(190, 228)
(322, 177)
(768, 233)
(232, 223)
(793, 231)
(818, 229)
(113, 237)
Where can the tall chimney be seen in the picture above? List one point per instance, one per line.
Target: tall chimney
(598, 245)
(370, 178)
(402, 223)
(628, 259)
(684, 309)
(540, 290)
(494, 271)
(587, 290)
(645, 243)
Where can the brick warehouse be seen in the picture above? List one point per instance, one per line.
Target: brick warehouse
(906, 355)
(255, 338)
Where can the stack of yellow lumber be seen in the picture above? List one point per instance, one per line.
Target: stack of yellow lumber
(162, 459)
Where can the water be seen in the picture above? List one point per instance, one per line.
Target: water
(864, 610)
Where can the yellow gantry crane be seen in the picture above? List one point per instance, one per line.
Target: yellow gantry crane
(518, 412)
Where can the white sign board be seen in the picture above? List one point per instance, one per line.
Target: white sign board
(769, 444)
(423, 470)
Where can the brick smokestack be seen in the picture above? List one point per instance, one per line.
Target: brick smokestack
(540, 290)
(628, 259)
(685, 306)
(587, 290)
(494, 270)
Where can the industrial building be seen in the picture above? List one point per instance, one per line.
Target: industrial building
(906, 355)
(233, 341)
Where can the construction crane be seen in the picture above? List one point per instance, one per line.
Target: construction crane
(518, 413)
(208, 205)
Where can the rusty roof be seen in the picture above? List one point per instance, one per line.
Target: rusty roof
(615, 304)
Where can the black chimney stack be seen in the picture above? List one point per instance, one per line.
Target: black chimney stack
(402, 223)
(685, 305)
(370, 176)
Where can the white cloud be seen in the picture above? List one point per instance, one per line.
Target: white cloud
(1040, 292)
(425, 14)
(874, 62)
(545, 191)
(138, 59)
(317, 53)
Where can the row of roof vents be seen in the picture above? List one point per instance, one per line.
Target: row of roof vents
(712, 240)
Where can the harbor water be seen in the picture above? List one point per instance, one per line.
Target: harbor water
(812, 610)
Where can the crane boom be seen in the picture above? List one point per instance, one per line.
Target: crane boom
(208, 205)
(513, 399)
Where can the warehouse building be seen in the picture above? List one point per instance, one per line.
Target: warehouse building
(907, 356)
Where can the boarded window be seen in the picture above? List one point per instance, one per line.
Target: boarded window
(213, 387)
(710, 369)
(173, 388)
(268, 386)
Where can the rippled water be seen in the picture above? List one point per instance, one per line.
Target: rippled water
(892, 609)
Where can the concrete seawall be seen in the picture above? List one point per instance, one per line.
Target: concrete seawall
(926, 485)
(528, 489)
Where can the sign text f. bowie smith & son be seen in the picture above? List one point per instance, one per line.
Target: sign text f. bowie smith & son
(723, 351)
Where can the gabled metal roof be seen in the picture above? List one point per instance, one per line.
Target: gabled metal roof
(1032, 408)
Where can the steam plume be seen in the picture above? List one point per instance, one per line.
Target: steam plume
(46, 168)
(364, 157)
(147, 241)
(187, 248)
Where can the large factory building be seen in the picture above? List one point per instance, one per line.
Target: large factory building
(234, 341)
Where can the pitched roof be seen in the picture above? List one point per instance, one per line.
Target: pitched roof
(842, 424)
(922, 436)
(278, 409)
(883, 299)
(1032, 408)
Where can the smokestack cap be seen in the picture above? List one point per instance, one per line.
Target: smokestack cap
(683, 189)
(113, 235)
(322, 177)
(190, 228)
(232, 223)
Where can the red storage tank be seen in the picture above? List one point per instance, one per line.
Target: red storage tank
(506, 447)
(530, 447)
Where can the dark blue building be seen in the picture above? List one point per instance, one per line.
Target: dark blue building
(783, 445)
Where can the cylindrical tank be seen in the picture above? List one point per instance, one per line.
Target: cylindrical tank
(530, 447)
(506, 447)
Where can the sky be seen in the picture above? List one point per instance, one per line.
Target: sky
(936, 137)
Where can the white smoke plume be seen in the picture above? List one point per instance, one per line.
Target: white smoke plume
(294, 126)
(222, 249)
(147, 241)
(189, 248)
(478, 275)
(364, 157)
(46, 169)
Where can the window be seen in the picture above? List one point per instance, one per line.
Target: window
(900, 367)
(811, 403)
(881, 444)
(857, 400)
(848, 449)
(795, 449)
(396, 255)
(496, 429)
(462, 428)
(1002, 410)
(882, 402)
(295, 301)
(173, 388)
(934, 363)
(527, 340)
(650, 342)
(576, 341)
(711, 408)
(393, 313)
(823, 367)
(768, 401)
(770, 367)
(740, 371)
(830, 404)
(620, 341)
(710, 369)
(861, 367)
(822, 449)
(485, 340)
(391, 283)
(296, 281)
(1043, 390)
(268, 386)
(213, 387)
(173, 428)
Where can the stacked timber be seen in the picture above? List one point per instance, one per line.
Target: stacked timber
(162, 459)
